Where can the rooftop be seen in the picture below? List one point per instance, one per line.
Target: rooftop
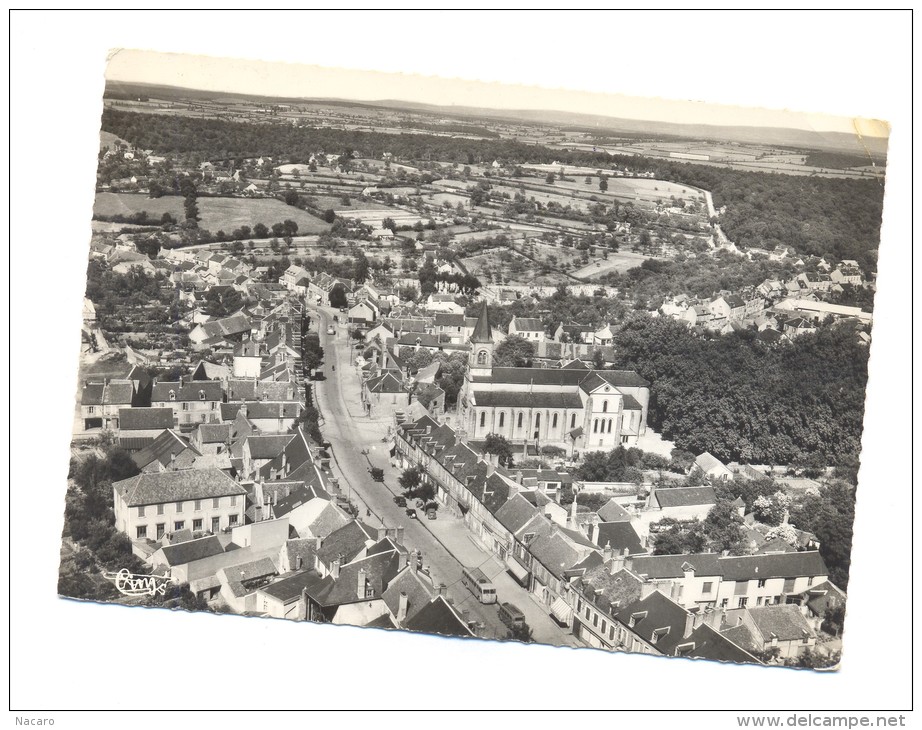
(176, 486)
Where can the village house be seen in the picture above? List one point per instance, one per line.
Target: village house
(766, 628)
(529, 328)
(712, 467)
(101, 403)
(137, 427)
(192, 402)
(150, 504)
(169, 451)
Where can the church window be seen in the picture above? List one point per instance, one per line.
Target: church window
(502, 419)
(537, 420)
(482, 357)
(609, 425)
(483, 419)
(554, 421)
(520, 421)
(604, 406)
(573, 421)
(595, 426)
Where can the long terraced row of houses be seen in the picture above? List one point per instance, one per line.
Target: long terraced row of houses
(596, 576)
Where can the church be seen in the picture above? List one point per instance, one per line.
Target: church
(572, 407)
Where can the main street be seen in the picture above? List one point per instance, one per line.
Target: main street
(359, 442)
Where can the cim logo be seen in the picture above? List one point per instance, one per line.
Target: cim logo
(131, 584)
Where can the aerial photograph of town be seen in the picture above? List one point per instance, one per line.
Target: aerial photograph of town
(534, 376)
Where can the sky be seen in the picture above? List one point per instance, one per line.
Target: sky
(293, 80)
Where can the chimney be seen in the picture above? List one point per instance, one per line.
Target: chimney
(402, 608)
(690, 623)
(491, 469)
(391, 533)
(382, 533)
(334, 568)
(414, 561)
(443, 589)
(606, 552)
(518, 478)
(361, 588)
(398, 535)
(571, 518)
(317, 542)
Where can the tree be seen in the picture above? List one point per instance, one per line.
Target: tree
(428, 277)
(329, 215)
(722, 528)
(677, 538)
(222, 301)
(410, 479)
(360, 272)
(149, 246)
(550, 178)
(500, 447)
(338, 296)
(260, 230)
(834, 620)
(603, 183)
(417, 359)
(514, 351)
(452, 370)
(292, 197)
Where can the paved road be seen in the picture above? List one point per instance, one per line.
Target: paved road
(351, 433)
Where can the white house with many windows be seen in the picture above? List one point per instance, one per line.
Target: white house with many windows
(149, 505)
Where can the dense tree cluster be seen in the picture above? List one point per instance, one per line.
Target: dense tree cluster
(618, 465)
(136, 301)
(89, 522)
(514, 351)
(718, 532)
(655, 280)
(740, 400)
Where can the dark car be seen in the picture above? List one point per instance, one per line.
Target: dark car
(511, 615)
(400, 501)
(411, 513)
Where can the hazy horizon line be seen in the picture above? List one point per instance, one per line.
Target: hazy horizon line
(290, 80)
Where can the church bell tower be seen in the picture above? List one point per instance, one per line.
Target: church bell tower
(480, 360)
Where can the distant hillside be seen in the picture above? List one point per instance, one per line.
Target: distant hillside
(849, 144)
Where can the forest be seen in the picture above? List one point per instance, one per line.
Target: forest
(740, 400)
(813, 215)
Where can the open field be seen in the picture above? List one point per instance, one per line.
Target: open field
(620, 262)
(230, 213)
(336, 203)
(216, 213)
(129, 203)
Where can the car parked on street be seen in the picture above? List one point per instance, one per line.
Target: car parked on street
(511, 615)
(400, 501)
(411, 513)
